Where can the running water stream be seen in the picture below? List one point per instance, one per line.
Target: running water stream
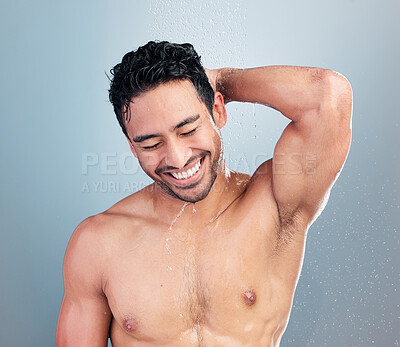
(168, 239)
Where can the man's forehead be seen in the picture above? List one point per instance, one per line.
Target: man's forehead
(173, 93)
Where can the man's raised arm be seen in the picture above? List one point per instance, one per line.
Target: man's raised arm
(313, 147)
(85, 317)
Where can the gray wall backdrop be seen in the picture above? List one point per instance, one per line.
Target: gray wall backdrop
(63, 156)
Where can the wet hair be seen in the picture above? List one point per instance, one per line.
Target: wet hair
(153, 64)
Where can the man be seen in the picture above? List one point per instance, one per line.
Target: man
(204, 256)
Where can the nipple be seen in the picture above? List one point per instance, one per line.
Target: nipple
(130, 324)
(250, 297)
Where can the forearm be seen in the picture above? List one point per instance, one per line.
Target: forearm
(292, 90)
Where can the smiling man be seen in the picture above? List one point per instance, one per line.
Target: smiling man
(182, 151)
(204, 256)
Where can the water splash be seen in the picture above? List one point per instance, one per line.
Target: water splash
(167, 246)
(223, 210)
(200, 21)
(168, 239)
(194, 209)
(227, 172)
(178, 215)
(254, 118)
(216, 216)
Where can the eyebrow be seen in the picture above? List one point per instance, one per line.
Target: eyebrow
(188, 120)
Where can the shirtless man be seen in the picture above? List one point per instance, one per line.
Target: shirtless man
(204, 256)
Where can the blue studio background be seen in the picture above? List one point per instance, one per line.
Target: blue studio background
(64, 157)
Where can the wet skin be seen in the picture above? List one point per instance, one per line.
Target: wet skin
(154, 269)
(209, 279)
(224, 283)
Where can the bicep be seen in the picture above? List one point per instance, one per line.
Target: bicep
(309, 157)
(85, 316)
(83, 321)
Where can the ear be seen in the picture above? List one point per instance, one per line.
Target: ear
(131, 146)
(219, 111)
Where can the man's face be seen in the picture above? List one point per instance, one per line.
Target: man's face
(175, 140)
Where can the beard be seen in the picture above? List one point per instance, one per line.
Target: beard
(205, 187)
(205, 184)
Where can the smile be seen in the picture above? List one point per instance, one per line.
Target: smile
(186, 174)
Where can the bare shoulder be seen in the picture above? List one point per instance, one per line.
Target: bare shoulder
(84, 256)
(133, 205)
(93, 233)
(89, 235)
(85, 316)
(97, 238)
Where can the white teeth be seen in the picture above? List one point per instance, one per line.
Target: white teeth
(188, 173)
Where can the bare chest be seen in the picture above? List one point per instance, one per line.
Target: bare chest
(164, 286)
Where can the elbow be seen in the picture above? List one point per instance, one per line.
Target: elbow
(339, 96)
(340, 86)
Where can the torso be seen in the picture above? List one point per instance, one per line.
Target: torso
(227, 281)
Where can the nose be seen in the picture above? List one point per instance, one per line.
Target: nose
(177, 154)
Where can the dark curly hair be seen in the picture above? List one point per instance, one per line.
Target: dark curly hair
(153, 64)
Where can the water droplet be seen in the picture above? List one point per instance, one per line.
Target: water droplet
(216, 216)
(169, 268)
(168, 248)
(178, 215)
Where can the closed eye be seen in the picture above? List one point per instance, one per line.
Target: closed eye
(189, 132)
(151, 147)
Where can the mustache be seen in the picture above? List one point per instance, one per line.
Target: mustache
(162, 169)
